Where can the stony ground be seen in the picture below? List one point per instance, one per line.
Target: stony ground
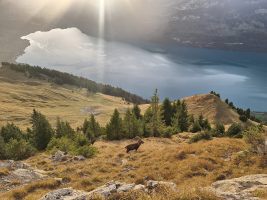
(189, 166)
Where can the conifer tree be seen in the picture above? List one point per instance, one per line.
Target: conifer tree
(132, 126)
(167, 112)
(137, 112)
(156, 123)
(41, 130)
(64, 129)
(180, 120)
(114, 128)
(91, 129)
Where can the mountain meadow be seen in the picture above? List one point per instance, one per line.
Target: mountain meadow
(67, 137)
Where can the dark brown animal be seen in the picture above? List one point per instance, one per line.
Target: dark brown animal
(134, 146)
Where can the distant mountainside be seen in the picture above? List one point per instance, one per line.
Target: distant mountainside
(61, 78)
(224, 24)
(227, 24)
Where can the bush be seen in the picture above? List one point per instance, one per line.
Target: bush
(10, 131)
(255, 137)
(219, 130)
(63, 144)
(235, 130)
(200, 136)
(196, 127)
(243, 118)
(168, 132)
(87, 151)
(19, 150)
(78, 146)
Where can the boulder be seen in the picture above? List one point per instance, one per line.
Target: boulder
(79, 158)
(153, 184)
(26, 174)
(240, 188)
(104, 191)
(60, 156)
(66, 194)
(107, 189)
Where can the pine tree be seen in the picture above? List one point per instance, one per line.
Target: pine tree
(201, 121)
(91, 129)
(196, 127)
(183, 118)
(41, 129)
(114, 128)
(167, 112)
(64, 129)
(137, 112)
(156, 123)
(132, 126)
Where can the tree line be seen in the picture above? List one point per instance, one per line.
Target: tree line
(66, 78)
(158, 120)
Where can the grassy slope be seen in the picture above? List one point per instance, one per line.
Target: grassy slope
(188, 165)
(212, 108)
(19, 96)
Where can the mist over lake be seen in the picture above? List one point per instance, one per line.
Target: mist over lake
(140, 68)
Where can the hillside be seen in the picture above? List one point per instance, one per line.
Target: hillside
(212, 108)
(19, 95)
(190, 166)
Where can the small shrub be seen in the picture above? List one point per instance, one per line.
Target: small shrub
(63, 144)
(77, 146)
(200, 136)
(168, 132)
(243, 118)
(255, 137)
(87, 151)
(19, 149)
(196, 127)
(219, 130)
(235, 130)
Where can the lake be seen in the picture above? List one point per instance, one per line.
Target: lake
(140, 68)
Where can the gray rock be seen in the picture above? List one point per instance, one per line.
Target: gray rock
(27, 175)
(65, 194)
(139, 187)
(106, 190)
(126, 187)
(153, 184)
(60, 156)
(79, 158)
(240, 188)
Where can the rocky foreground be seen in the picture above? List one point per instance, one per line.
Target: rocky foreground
(233, 189)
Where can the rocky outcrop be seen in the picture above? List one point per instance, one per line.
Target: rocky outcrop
(19, 173)
(61, 156)
(65, 194)
(105, 191)
(240, 188)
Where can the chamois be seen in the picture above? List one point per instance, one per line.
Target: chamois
(134, 146)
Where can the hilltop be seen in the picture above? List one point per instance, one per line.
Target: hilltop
(212, 108)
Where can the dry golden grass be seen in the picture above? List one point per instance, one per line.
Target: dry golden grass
(190, 166)
(20, 95)
(38, 188)
(260, 193)
(212, 107)
(4, 171)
